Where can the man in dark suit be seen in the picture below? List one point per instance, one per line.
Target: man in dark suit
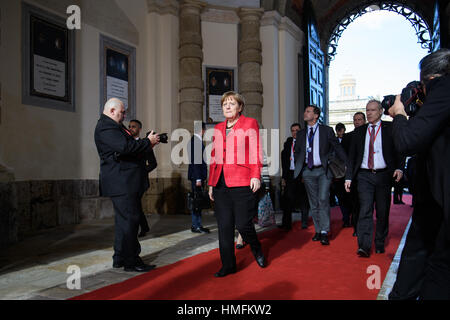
(359, 119)
(294, 189)
(313, 148)
(121, 179)
(373, 161)
(424, 270)
(197, 173)
(148, 165)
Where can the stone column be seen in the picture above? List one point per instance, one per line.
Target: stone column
(191, 58)
(250, 60)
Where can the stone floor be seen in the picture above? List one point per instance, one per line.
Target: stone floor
(37, 268)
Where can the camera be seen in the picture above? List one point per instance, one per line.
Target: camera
(163, 137)
(412, 98)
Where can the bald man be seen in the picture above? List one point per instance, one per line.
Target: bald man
(121, 179)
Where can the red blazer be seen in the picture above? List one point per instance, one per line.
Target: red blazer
(239, 154)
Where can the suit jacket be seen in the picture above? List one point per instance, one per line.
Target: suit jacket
(197, 165)
(286, 158)
(347, 141)
(428, 135)
(328, 143)
(391, 156)
(120, 158)
(239, 155)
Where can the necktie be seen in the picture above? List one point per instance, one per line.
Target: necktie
(311, 149)
(371, 148)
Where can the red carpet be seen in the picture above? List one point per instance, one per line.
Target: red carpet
(298, 269)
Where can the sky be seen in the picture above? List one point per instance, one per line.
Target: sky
(381, 50)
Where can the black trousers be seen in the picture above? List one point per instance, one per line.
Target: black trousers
(234, 208)
(143, 220)
(419, 245)
(354, 204)
(344, 199)
(127, 214)
(294, 197)
(373, 188)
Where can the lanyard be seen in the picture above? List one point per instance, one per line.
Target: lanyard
(370, 134)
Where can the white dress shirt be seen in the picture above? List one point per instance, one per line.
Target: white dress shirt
(292, 167)
(316, 149)
(378, 159)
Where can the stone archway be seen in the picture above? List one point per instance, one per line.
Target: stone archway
(421, 26)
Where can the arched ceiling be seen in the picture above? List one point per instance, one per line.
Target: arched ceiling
(329, 13)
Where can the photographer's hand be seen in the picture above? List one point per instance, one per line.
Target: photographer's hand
(397, 108)
(154, 138)
(398, 174)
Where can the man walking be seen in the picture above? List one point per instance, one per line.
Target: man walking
(372, 162)
(313, 148)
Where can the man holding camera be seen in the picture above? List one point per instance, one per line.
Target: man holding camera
(373, 161)
(121, 179)
(149, 164)
(424, 269)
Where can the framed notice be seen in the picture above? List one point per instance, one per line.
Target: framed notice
(218, 81)
(47, 60)
(118, 74)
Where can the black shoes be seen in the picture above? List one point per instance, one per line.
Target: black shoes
(240, 246)
(284, 227)
(363, 253)
(346, 225)
(140, 268)
(143, 233)
(223, 273)
(117, 265)
(398, 202)
(324, 239)
(305, 226)
(261, 260)
(200, 230)
(316, 237)
(379, 250)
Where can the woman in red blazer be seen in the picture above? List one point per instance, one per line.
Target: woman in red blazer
(234, 178)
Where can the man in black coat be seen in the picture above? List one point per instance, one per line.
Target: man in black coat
(373, 161)
(122, 180)
(149, 164)
(314, 146)
(294, 190)
(424, 269)
(359, 119)
(197, 174)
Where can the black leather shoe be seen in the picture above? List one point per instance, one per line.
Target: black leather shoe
(142, 233)
(363, 253)
(355, 234)
(379, 250)
(346, 225)
(117, 265)
(240, 246)
(204, 230)
(287, 228)
(324, 239)
(223, 273)
(261, 260)
(316, 237)
(196, 230)
(140, 268)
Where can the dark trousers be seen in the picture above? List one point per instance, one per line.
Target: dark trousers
(143, 220)
(354, 204)
(398, 191)
(343, 198)
(235, 208)
(373, 187)
(127, 214)
(419, 245)
(196, 213)
(294, 197)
